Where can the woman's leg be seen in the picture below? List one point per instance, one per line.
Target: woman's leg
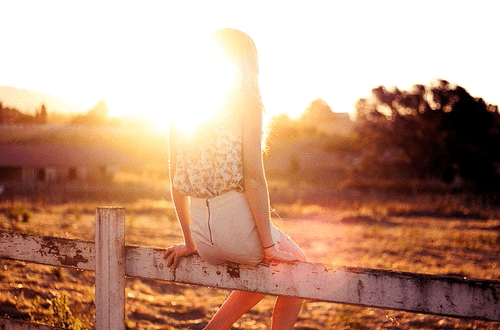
(235, 305)
(286, 309)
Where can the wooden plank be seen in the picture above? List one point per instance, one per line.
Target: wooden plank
(431, 294)
(47, 250)
(110, 268)
(11, 324)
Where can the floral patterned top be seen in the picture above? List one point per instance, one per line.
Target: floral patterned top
(209, 164)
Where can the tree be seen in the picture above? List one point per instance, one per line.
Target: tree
(98, 115)
(41, 117)
(442, 131)
(283, 128)
(317, 112)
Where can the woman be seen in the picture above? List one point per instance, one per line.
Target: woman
(220, 192)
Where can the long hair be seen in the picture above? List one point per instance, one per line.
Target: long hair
(240, 49)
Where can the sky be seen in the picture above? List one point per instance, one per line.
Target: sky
(134, 54)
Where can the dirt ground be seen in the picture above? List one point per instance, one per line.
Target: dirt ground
(456, 247)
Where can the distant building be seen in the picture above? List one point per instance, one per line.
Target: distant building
(38, 165)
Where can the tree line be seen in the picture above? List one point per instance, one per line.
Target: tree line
(431, 132)
(437, 132)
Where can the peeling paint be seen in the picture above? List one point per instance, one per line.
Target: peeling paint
(48, 246)
(233, 270)
(72, 261)
(421, 293)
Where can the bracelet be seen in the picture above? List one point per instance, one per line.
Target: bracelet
(268, 247)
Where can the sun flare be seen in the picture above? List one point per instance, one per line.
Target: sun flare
(194, 86)
(205, 89)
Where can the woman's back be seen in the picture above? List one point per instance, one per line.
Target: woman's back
(208, 163)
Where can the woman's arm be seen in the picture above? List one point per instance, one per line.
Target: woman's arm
(256, 189)
(181, 206)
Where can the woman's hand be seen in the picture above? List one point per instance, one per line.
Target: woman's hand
(175, 252)
(273, 254)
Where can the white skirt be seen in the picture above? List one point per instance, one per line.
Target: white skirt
(224, 229)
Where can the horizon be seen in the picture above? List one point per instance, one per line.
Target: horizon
(132, 57)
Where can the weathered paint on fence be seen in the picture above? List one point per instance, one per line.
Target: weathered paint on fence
(420, 293)
(110, 268)
(47, 250)
(431, 294)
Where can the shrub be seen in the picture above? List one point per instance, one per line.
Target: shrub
(18, 213)
(61, 313)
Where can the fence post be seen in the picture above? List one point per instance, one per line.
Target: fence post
(110, 268)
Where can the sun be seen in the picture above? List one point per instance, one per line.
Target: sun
(204, 85)
(196, 81)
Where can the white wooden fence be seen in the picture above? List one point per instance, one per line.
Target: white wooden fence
(112, 261)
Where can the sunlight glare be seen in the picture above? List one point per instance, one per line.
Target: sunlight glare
(209, 81)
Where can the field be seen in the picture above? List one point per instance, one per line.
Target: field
(424, 234)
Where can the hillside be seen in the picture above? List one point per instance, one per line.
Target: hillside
(28, 101)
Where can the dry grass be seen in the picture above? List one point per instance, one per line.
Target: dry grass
(383, 235)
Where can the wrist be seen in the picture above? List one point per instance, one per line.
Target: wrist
(190, 246)
(189, 242)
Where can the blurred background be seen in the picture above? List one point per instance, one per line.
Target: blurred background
(369, 96)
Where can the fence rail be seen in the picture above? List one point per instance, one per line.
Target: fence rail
(112, 261)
